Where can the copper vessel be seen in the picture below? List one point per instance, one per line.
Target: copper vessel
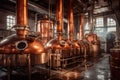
(75, 46)
(19, 43)
(92, 38)
(58, 48)
(94, 44)
(45, 32)
(45, 29)
(84, 46)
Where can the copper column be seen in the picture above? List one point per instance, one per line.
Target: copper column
(81, 34)
(70, 22)
(22, 18)
(59, 17)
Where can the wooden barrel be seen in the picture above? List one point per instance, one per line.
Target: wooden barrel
(115, 63)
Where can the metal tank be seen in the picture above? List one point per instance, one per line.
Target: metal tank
(45, 33)
(94, 43)
(58, 48)
(19, 46)
(45, 29)
(74, 44)
(82, 41)
(92, 38)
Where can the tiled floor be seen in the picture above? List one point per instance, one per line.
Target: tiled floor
(97, 70)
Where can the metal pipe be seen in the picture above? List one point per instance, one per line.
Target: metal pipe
(22, 18)
(59, 18)
(39, 9)
(22, 12)
(90, 18)
(81, 34)
(70, 22)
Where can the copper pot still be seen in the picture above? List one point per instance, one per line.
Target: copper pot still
(94, 44)
(92, 38)
(45, 29)
(57, 47)
(85, 47)
(20, 44)
(75, 45)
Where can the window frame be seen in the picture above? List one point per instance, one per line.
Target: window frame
(10, 22)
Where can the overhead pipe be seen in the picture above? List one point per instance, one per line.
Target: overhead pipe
(81, 3)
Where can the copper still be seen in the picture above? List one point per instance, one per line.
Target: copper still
(45, 29)
(20, 44)
(75, 49)
(92, 38)
(45, 33)
(84, 44)
(58, 48)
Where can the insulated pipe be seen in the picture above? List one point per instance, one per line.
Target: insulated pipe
(81, 34)
(22, 18)
(70, 22)
(59, 18)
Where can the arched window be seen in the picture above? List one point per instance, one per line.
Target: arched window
(10, 21)
(111, 22)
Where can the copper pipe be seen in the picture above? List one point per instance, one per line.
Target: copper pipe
(59, 18)
(22, 18)
(22, 12)
(70, 22)
(81, 34)
(90, 19)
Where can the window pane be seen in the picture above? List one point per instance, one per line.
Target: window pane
(86, 26)
(7, 23)
(99, 22)
(111, 29)
(10, 21)
(111, 22)
(99, 30)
